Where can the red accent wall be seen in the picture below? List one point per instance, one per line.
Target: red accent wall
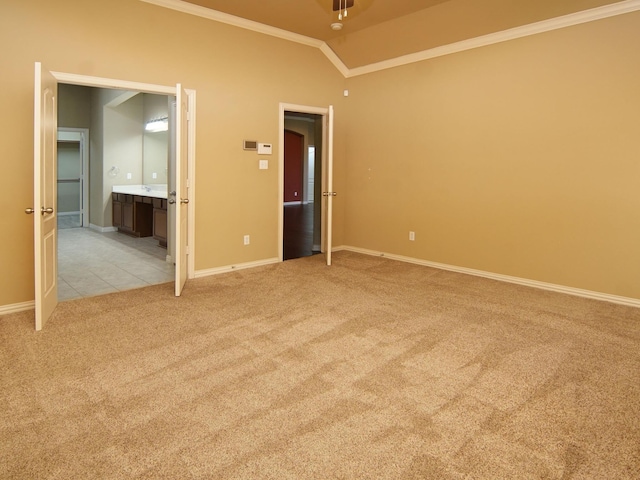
(293, 158)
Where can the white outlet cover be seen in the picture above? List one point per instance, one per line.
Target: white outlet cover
(264, 164)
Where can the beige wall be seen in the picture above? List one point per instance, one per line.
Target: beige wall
(239, 76)
(522, 158)
(74, 106)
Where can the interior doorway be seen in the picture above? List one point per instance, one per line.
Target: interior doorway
(72, 177)
(96, 253)
(302, 195)
(45, 123)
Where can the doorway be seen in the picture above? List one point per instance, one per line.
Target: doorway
(72, 176)
(305, 203)
(45, 179)
(95, 255)
(302, 206)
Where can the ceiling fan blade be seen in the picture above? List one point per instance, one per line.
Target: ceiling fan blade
(336, 4)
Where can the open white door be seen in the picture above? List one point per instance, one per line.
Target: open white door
(44, 194)
(329, 194)
(182, 187)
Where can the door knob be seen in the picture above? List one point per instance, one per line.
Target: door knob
(29, 211)
(172, 193)
(46, 210)
(171, 201)
(184, 200)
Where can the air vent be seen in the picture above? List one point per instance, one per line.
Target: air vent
(250, 145)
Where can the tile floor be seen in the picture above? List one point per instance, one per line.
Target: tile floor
(93, 263)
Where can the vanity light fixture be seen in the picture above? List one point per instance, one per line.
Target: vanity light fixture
(157, 125)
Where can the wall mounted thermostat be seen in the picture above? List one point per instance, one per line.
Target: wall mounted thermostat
(265, 149)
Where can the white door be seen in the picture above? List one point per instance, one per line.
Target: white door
(182, 187)
(44, 194)
(329, 194)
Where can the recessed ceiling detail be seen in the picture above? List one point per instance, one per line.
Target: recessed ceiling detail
(381, 32)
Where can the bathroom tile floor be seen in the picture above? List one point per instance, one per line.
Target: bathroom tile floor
(93, 263)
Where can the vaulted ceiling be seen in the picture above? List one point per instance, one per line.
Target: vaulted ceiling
(379, 30)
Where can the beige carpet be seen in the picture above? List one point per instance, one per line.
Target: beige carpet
(368, 369)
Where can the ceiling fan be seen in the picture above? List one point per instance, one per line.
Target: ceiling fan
(342, 4)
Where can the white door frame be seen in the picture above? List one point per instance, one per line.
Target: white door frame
(83, 134)
(99, 82)
(324, 112)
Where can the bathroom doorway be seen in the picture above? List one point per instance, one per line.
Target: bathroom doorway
(95, 258)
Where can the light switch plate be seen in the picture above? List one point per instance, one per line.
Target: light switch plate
(264, 164)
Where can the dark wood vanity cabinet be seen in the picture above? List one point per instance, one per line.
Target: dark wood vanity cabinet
(160, 221)
(133, 214)
(140, 216)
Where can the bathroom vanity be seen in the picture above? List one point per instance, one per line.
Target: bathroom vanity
(141, 211)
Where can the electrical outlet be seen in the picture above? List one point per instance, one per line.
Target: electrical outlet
(154, 175)
(247, 240)
(128, 176)
(412, 236)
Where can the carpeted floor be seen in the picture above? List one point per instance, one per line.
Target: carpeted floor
(370, 368)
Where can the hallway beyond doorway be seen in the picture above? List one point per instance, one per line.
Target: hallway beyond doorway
(298, 231)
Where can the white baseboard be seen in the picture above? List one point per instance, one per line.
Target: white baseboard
(232, 268)
(17, 307)
(102, 229)
(631, 302)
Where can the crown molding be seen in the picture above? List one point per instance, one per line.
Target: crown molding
(197, 10)
(333, 58)
(591, 15)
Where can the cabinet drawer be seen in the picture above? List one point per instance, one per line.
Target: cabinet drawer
(160, 203)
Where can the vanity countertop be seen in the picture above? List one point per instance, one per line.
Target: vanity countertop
(155, 191)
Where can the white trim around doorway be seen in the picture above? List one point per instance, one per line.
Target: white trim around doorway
(291, 107)
(99, 82)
